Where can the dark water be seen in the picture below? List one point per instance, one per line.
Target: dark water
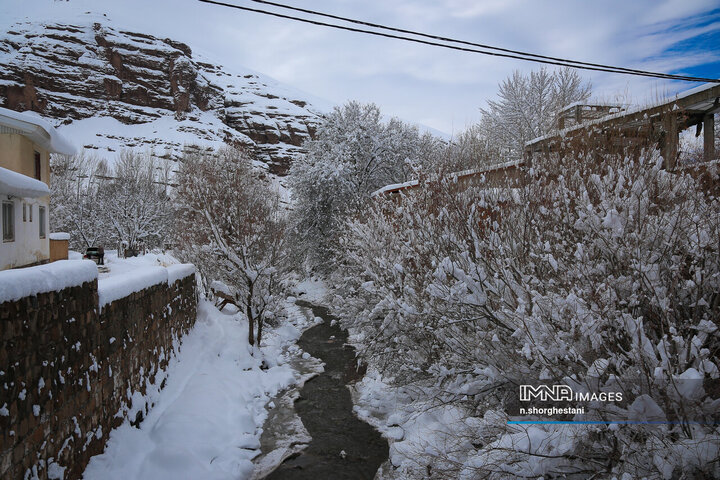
(325, 408)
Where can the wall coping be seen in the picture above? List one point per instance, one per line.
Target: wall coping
(115, 287)
(52, 277)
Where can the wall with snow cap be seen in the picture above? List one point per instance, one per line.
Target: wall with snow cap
(69, 370)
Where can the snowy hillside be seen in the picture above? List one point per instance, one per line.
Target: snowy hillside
(109, 89)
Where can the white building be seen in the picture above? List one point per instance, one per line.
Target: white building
(26, 142)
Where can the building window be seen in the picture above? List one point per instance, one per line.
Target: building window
(30, 209)
(38, 165)
(24, 212)
(41, 221)
(8, 222)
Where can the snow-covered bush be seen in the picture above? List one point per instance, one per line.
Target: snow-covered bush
(602, 274)
(230, 225)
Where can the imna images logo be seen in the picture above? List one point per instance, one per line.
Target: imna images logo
(559, 393)
(544, 393)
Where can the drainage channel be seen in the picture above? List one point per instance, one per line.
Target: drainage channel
(342, 446)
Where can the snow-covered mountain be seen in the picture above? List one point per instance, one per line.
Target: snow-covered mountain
(108, 89)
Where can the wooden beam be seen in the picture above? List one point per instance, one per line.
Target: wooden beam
(709, 137)
(670, 149)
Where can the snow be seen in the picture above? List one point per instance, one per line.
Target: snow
(220, 287)
(51, 139)
(115, 287)
(24, 282)
(395, 186)
(126, 276)
(59, 236)
(19, 185)
(451, 176)
(179, 271)
(311, 289)
(207, 421)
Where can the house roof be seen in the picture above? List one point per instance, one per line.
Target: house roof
(19, 185)
(36, 129)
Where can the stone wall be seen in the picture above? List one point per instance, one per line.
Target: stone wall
(68, 368)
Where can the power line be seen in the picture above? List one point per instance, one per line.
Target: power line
(448, 39)
(518, 56)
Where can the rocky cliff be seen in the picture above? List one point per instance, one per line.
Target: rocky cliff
(109, 89)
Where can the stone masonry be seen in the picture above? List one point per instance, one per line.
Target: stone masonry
(67, 370)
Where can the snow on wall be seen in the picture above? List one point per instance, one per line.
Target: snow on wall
(116, 287)
(53, 277)
(80, 368)
(179, 271)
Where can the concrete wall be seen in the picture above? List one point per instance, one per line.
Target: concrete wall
(27, 248)
(17, 153)
(66, 371)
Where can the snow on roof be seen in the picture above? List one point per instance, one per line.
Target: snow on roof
(19, 185)
(52, 277)
(586, 103)
(37, 129)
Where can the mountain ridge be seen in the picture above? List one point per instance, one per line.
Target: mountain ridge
(109, 89)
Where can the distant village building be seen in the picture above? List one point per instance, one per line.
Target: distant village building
(615, 129)
(26, 143)
(578, 113)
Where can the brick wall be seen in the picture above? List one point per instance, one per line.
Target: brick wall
(67, 369)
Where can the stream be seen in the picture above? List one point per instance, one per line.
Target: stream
(341, 445)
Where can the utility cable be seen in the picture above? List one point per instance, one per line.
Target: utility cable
(448, 39)
(528, 57)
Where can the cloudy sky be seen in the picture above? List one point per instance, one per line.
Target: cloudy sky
(436, 87)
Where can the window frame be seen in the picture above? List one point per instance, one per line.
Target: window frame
(38, 165)
(8, 220)
(42, 220)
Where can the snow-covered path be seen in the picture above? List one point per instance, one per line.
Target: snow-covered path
(207, 421)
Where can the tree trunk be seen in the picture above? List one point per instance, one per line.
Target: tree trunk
(259, 329)
(249, 312)
(251, 326)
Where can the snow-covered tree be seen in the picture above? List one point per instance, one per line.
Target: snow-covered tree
(101, 206)
(74, 207)
(134, 205)
(354, 153)
(527, 107)
(230, 225)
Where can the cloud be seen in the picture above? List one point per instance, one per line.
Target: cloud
(421, 83)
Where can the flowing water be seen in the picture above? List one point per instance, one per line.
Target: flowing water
(342, 446)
